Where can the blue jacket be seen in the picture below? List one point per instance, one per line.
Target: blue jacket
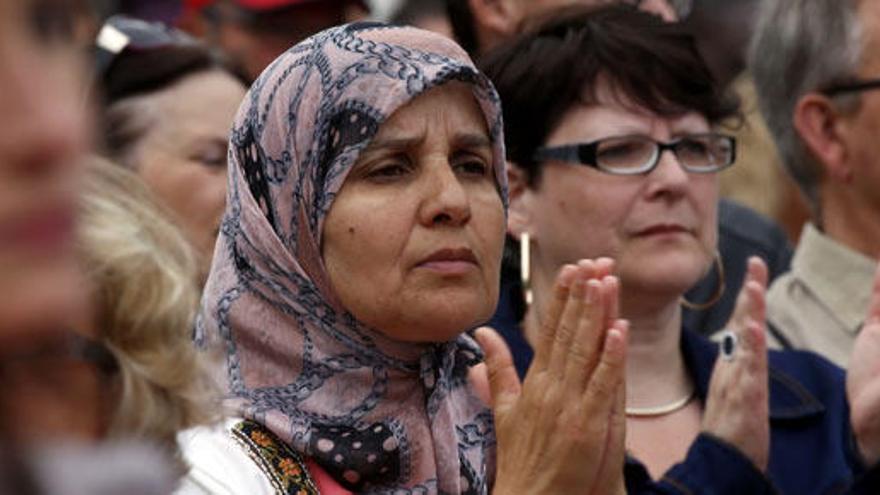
(811, 444)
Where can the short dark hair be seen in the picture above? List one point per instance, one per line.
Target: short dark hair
(462, 21)
(560, 61)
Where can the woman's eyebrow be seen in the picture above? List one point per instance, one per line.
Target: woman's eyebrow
(395, 143)
(461, 140)
(472, 140)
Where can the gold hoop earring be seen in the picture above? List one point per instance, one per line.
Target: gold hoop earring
(525, 267)
(719, 291)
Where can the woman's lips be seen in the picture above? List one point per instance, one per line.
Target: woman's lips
(662, 229)
(450, 261)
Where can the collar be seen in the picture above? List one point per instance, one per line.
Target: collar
(789, 399)
(838, 276)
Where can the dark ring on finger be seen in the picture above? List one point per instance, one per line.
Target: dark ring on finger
(728, 344)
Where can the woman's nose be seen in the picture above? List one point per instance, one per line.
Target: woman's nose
(668, 178)
(446, 201)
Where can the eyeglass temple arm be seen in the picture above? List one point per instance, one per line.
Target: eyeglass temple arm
(837, 89)
(574, 153)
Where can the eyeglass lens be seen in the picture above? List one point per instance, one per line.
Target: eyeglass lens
(701, 153)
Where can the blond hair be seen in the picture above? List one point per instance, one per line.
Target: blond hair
(144, 273)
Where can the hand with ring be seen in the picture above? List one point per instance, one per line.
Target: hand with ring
(737, 406)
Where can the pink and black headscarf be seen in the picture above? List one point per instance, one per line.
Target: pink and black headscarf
(378, 415)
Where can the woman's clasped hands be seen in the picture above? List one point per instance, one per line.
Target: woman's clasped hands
(562, 429)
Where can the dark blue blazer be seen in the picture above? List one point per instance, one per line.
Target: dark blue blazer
(811, 443)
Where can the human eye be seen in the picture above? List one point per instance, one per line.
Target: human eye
(388, 170)
(212, 156)
(697, 151)
(695, 146)
(471, 166)
(624, 152)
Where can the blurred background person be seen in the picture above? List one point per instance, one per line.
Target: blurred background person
(723, 30)
(44, 363)
(424, 14)
(816, 74)
(252, 33)
(144, 292)
(43, 134)
(168, 104)
(480, 25)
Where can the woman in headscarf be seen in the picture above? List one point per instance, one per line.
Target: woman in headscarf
(362, 237)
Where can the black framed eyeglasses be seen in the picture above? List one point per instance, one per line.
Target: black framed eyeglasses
(634, 155)
(851, 87)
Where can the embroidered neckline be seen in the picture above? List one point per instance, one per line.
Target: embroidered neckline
(283, 466)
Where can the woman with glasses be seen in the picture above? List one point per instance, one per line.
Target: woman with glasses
(612, 129)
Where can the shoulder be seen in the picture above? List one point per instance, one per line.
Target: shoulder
(794, 310)
(218, 464)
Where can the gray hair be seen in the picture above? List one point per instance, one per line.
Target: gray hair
(801, 46)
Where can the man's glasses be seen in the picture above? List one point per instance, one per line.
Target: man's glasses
(851, 87)
(634, 155)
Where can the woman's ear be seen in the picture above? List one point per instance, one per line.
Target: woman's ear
(518, 218)
(818, 122)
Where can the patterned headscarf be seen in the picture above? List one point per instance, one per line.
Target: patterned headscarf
(378, 415)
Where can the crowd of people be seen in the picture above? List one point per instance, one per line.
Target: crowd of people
(279, 247)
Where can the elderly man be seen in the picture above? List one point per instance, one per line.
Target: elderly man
(815, 65)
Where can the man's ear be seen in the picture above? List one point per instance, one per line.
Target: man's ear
(818, 123)
(495, 20)
(518, 217)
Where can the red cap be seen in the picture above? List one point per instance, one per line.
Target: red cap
(260, 5)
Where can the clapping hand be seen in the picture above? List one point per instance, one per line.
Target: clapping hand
(863, 381)
(562, 429)
(737, 406)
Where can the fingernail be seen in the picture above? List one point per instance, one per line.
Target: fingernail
(587, 265)
(566, 275)
(593, 288)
